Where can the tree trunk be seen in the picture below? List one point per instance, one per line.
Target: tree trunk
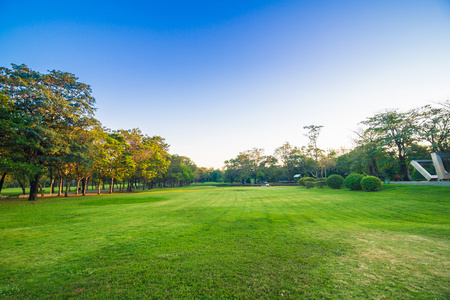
(60, 185)
(78, 187)
(42, 191)
(52, 183)
(22, 186)
(2, 181)
(111, 188)
(83, 186)
(375, 167)
(99, 185)
(34, 183)
(52, 180)
(66, 193)
(85, 182)
(403, 168)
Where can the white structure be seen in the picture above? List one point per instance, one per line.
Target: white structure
(441, 163)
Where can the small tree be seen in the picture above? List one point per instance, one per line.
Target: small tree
(312, 149)
(395, 133)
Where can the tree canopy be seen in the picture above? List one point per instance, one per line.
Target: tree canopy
(48, 128)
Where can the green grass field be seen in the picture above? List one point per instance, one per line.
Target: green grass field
(218, 242)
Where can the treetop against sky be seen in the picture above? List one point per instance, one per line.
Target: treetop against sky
(218, 77)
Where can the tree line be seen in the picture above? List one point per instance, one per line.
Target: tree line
(383, 148)
(48, 132)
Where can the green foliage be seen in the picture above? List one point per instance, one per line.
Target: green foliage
(291, 157)
(435, 126)
(309, 184)
(395, 132)
(320, 184)
(371, 183)
(303, 180)
(335, 181)
(246, 166)
(59, 109)
(353, 182)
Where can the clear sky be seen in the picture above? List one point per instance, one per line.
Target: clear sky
(219, 77)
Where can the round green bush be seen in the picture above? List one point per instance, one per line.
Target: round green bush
(302, 181)
(335, 181)
(371, 183)
(353, 182)
(320, 184)
(309, 184)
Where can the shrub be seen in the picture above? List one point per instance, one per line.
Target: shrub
(335, 181)
(309, 184)
(371, 183)
(353, 182)
(320, 184)
(302, 181)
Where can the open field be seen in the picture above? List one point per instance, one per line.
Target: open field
(229, 242)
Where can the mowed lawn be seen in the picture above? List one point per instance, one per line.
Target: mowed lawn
(218, 242)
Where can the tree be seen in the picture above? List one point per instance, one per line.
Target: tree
(88, 153)
(181, 171)
(369, 150)
(54, 105)
(434, 126)
(202, 174)
(11, 122)
(328, 162)
(395, 133)
(113, 159)
(290, 157)
(149, 154)
(233, 170)
(216, 175)
(156, 159)
(246, 166)
(312, 150)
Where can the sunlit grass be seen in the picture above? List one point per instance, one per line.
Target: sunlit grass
(229, 242)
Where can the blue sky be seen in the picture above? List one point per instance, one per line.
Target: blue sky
(218, 77)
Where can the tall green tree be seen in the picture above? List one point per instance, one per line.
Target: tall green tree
(369, 151)
(312, 151)
(54, 105)
(290, 157)
(12, 159)
(434, 127)
(247, 165)
(180, 172)
(395, 132)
